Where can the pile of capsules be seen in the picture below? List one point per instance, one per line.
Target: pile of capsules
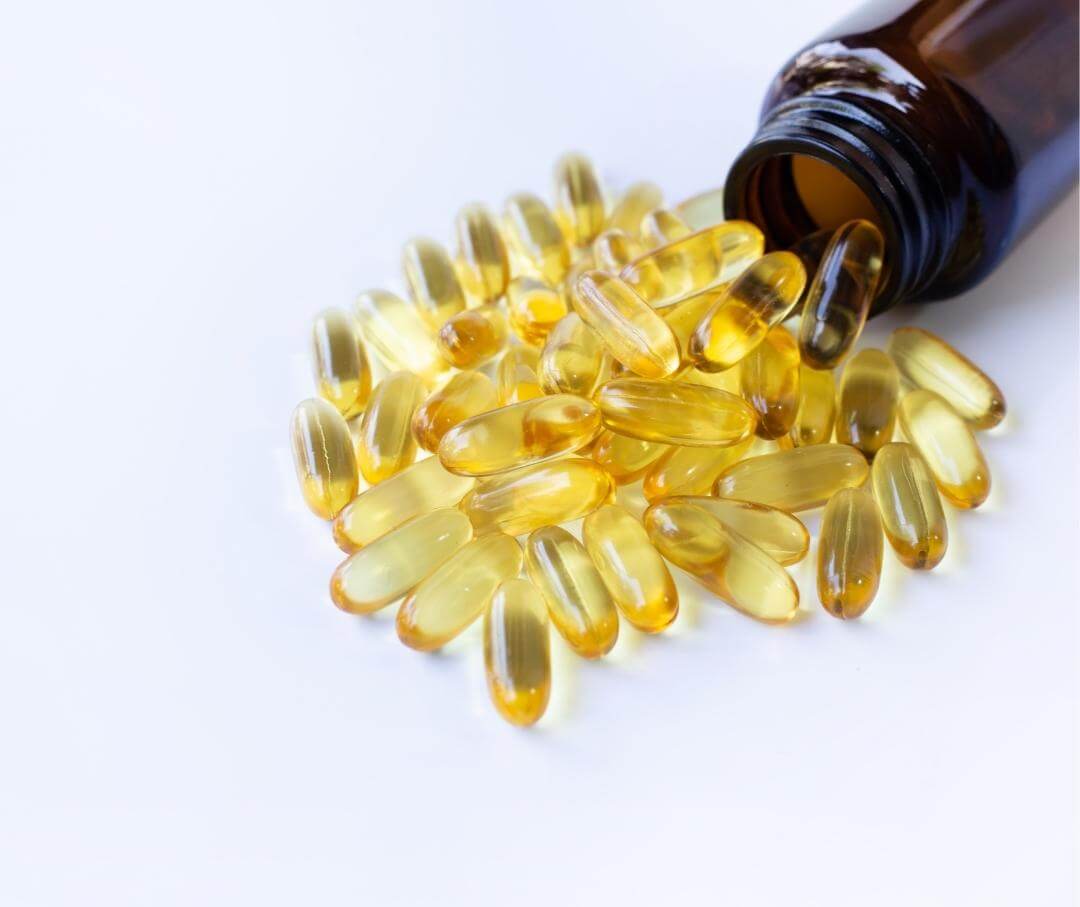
(564, 352)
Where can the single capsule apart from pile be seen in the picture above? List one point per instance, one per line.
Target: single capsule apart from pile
(398, 336)
(536, 237)
(483, 263)
(869, 392)
(465, 395)
(850, 553)
(816, 412)
(342, 371)
(779, 534)
(385, 444)
(769, 379)
(579, 201)
(910, 506)
(517, 652)
(433, 283)
(797, 479)
(324, 457)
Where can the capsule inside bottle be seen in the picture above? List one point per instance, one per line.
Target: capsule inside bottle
(517, 652)
(385, 444)
(910, 506)
(433, 284)
(793, 480)
(465, 395)
(869, 391)
(342, 372)
(850, 553)
(769, 379)
(324, 458)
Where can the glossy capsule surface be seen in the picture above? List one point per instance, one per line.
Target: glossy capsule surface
(625, 459)
(662, 226)
(669, 412)
(841, 293)
(533, 308)
(769, 380)
(398, 336)
(632, 206)
(520, 434)
(702, 210)
(458, 592)
(483, 263)
(432, 281)
(869, 391)
(397, 562)
(723, 561)
(543, 495)
(324, 457)
(948, 446)
(579, 201)
(778, 533)
(796, 479)
(684, 316)
(385, 444)
(342, 370)
(816, 412)
(578, 602)
(472, 337)
(635, 575)
(517, 652)
(850, 553)
(910, 506)
(536, 238)
(928, 362)
(516, 379)
(613, 250)
(690, 470)
(573, 359)
(465, 395)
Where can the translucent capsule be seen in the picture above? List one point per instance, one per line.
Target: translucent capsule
(723, 561)
(483, 264)
(910, 506)
(579, 201)
(816, 412)
(633, 571)
(517, 652)
(811, 249)
(533, 308)
(869, 389)
(633, 332)
(520, 434)
(433, 283)
(416, 490)
(472, 337)
(947, 445)
(776, 532)
(625, 459)
(702, 210)
(397, 562)
(769, 379)
(849, 553)
(759, 299)
(465, 395)
(458, 592)
(839, 297)
(396, 334)
(573, 359)
(662, 226)
(342, 372)
(516, 377)
(683, 318)
(526, 499)
(613, 250)
(536, 237)
(324, 458)
(926, 361)
(796, 479)
(637, 201)
(690, 415)
(385, 444)
(578, 602)
(690, 470)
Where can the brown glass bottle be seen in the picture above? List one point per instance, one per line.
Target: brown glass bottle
(952, 124)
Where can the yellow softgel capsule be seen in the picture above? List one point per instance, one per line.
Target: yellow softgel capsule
(533, 308)
(536, 238)
(758, 300)
(723, 561)
(625, 459)
(579, 201)
(690, 470)
(816, 412)
(684, 316)
(632, 569)
(637, 201)
(662, 226)
(869, 390)
(542, 495)
(517, 652)
(515, 378)
(928, 362)
(796, 479)
(769, 379)
(910, 506)
(483, 263)
(519, 435)
(839, 297)
(342, 371)
(573, 359)
(465, 395)
(778, 533)
(472, 337)
(398, 336)
(458, 592)
(323, 454)
(397, 562)
(690, 415)
(385, 444)
(613, 250)
(850, 553)
(433, 284)
(948, 446)
(633, 332)
(702, 210)
(578, 602)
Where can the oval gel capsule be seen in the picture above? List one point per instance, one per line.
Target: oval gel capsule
(869, 390)
(769, 379)
(613, 250)
(516, 377)
(690, 470)
(432, 281)
(796, 479)
(626, 459)
(629, 211)
(342, 372)
(385, 444)
(816, 412)
(472, 337)
(483, 263)
(324, 457)
(398, 336)
(533, 309)
(517, 652)
(573, 359)
(703, 210)
(910, 506)
(850, 553)
(536, 237)
(579, 201)
(465, 395)
(778, 533)
(662, 226)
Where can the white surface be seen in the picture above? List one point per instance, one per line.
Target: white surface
(186, 718)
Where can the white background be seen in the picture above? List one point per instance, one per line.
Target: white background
(186, 719)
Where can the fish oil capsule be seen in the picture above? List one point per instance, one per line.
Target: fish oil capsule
(465, 395)
(398, 336)
(433, 283)
(816, 412)
(483, 264)
(416, 490)
(702, 210)
(690, 415)
(928, 362)
(536, 238)
(779, 534)
(839, 297)
(759, 299)
(947, 445)
(690, 470)
(637, 201)
(472, 337)
(342, 372)
(517, 652)
(613, 250)
(723, 561)
(869, 389)
(516, 377)
(625, 459)
(385, 444)
(573, 359)
(632, 331)
(796, 479)
(684, 316)
(579, 202)
(533, 309)
(849, 553)
(458, 592)
(769, 379)
(636, 576)
(397, 562)
(910, 506)
(519, 435)
(578, 602)
(324, 458)
(542, 495)
(662, 226)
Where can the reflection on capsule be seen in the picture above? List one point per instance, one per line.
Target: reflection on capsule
(517, 652)
(342, 372)
(573, 359)
(796, 479)
(579, 202)
(690, 470)
(850, 552)
(533, 309)
(433, 284)
(323, 454)
(395, 333)
(626, 459)
(472, 337)
(385, 444)
(910, 506)
(816, 411)
(483, 263)
(778, 533)
(637, 201)
(869, 390)
(769, 379)
(463, 396)
(536, 238)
